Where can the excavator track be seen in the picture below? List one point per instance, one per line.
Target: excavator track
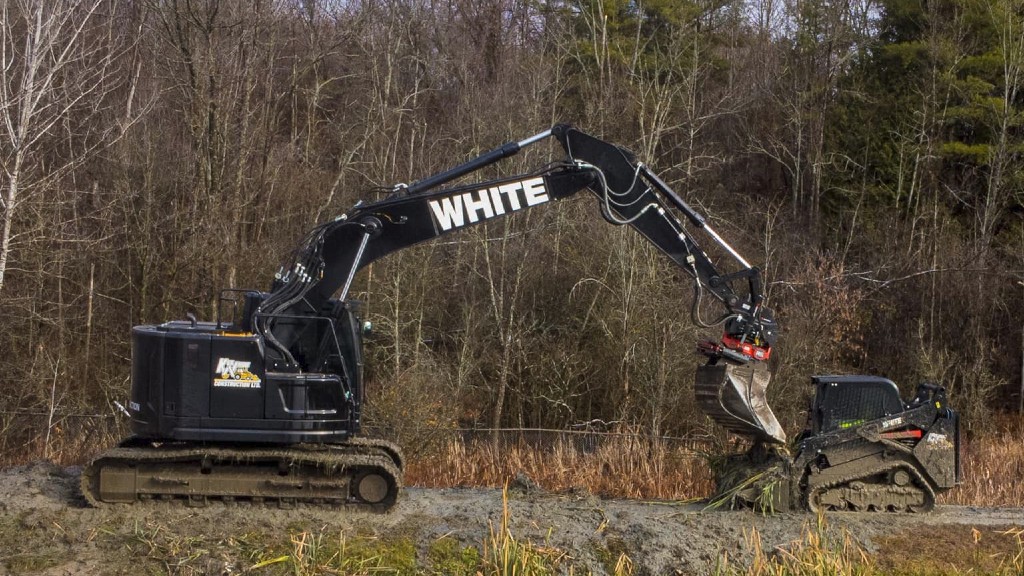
(364, 474)
(890, 486)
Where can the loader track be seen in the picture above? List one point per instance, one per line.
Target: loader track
(363, 473)
(891, 486)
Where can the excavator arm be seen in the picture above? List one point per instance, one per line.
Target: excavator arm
(732, 386)
(631, 194)
(325, 263)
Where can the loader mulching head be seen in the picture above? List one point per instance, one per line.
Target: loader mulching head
(733, 395)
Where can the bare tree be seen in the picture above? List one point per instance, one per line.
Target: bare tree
(53, 64)
(819, 40)
(1004, 180)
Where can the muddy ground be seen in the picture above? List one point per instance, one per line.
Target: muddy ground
(46, 528)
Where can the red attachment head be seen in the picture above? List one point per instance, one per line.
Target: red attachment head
(747, 349)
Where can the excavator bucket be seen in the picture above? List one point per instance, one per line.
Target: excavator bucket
(733, 395)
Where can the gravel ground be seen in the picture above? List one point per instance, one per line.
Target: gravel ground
(46, 528)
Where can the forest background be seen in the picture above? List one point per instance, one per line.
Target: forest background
(866, 154)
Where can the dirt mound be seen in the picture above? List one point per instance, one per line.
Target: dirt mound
(46, 528)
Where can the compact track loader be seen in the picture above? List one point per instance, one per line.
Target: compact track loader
(864, 448)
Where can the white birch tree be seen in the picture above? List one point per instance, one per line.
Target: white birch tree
(57, 59)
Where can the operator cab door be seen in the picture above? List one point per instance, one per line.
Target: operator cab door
(843, 402)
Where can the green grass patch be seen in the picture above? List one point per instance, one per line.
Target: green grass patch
(446, 556)
(323, 552)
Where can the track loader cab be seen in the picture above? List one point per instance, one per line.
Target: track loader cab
(219, 381)
(842, 402)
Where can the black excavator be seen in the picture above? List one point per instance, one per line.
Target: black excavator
(263, 404)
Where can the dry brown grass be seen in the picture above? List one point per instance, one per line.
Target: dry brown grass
(819, 551)
(69, 441)
(948, 549)
(993, 466)
(634, 467)
(622, 467)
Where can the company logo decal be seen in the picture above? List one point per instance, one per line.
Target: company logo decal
(892, 422)
(937, 440)
(234, 374)
(459, 210)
